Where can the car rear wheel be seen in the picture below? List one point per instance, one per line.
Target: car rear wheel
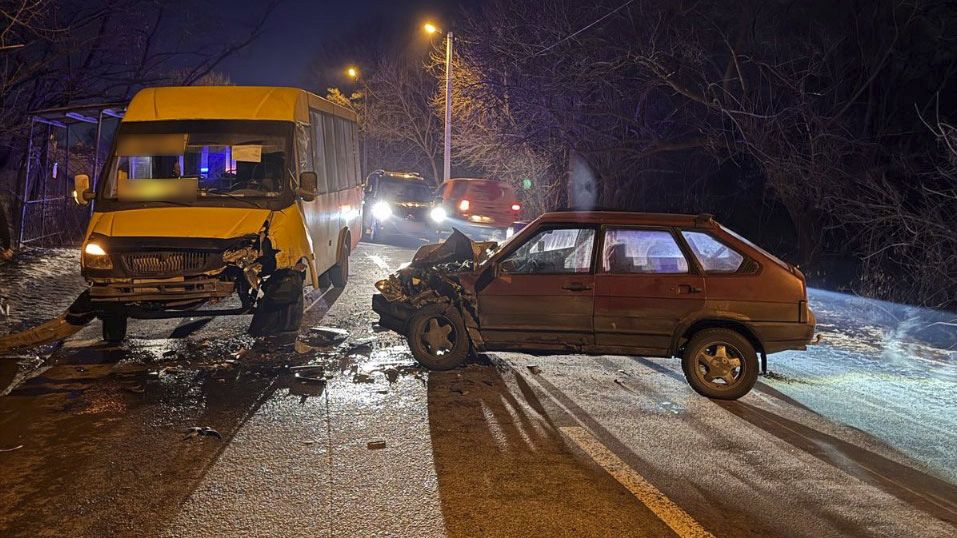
(720, 364)
(437, 337)
(114, 328)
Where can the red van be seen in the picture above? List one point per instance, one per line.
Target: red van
(484, 208)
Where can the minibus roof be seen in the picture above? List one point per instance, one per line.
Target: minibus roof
(229, 103)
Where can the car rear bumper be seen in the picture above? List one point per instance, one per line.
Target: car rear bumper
(777, 337)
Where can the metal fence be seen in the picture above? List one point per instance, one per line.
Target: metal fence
(62, 143)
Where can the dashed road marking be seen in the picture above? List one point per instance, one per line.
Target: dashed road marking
(656, 501)
(379, 261)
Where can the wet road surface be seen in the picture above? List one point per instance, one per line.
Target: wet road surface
(343, 435)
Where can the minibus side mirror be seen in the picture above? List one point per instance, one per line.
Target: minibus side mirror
(308, 185)
(81, 189)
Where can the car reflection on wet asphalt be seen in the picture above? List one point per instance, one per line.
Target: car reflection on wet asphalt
(193, 428)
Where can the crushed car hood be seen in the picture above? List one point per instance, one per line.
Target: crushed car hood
(433, 268)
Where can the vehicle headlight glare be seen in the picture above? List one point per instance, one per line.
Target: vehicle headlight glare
(95, 257)
(93, 249)
(381, 210)
(438, 214)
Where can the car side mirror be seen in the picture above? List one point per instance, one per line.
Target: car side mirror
(81, 189)
(308, 186)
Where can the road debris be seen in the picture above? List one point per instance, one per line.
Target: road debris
(204, 431)
(533, 368)
(18, 447)
(67, 324)
(376, 445)
(328, 335)
(4, 307)
(361, 346)
(308, 378)
(302, 348)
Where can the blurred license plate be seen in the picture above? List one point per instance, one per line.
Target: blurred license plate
(480, 218)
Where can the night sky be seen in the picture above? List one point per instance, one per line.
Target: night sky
(298, 28)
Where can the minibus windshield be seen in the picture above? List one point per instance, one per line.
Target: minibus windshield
(199, 161)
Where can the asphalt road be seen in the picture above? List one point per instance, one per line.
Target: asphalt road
(96, 441)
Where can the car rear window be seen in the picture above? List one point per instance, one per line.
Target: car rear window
(712, 254)
(770, 256)
(488, 191)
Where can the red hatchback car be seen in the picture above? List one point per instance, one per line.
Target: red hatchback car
(605, 283)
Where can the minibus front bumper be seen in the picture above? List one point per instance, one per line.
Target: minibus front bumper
(175, 289)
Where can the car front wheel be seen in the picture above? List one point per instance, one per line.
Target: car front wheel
(720, 364)
(437, 337)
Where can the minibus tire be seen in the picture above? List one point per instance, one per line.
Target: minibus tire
(281, 308)
(114, 328)
(339, 273)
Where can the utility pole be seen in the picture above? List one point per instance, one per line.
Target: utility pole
(447, 161)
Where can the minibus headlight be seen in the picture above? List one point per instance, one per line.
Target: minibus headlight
(381, 210)
(95, 257)
(438, 214)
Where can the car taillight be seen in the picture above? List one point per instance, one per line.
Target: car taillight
(516, 207)
(464, 205)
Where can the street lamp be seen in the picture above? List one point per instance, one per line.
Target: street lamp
(447, 164)
(353, 72)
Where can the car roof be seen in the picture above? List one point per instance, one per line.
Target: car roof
(703, 220)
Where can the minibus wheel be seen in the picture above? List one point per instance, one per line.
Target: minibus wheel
(281, 308)
(114, 328)
(339, 273)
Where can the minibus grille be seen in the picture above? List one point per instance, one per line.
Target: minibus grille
(167, 263)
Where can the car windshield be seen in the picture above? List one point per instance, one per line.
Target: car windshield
(185, 160)
(404, 191)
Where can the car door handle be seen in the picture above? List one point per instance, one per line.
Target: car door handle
(688, 288)
(576, 286)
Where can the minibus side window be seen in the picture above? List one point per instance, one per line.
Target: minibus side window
(329, 149)
(303, 150)
(354, 129)
(344, 152)
(318, 148)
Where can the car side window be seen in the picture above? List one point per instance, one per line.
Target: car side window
(556, 250)
(628, 250)
(713, 255)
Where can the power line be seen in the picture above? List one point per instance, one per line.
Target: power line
(566, 38)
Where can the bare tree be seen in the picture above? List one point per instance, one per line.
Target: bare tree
(801, 110)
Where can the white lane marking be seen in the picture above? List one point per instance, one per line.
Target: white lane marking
(321, 297)
(656, 501)
(379, 261)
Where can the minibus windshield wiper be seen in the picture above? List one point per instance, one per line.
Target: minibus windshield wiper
(231, 196)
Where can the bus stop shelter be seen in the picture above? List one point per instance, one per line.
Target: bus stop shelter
(62, 142)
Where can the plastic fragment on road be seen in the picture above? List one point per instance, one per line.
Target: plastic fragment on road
(18, 447)
(375, 445)
(202, 431)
